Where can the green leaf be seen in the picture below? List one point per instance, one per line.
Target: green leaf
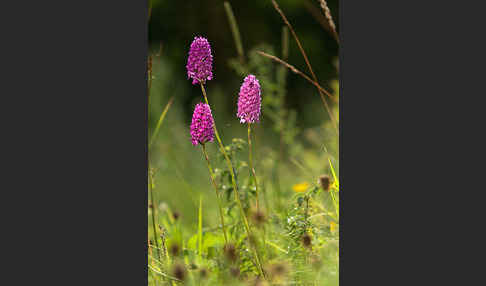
(212, 240)
(192, 243)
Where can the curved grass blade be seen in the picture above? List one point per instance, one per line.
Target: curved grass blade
(159, 123)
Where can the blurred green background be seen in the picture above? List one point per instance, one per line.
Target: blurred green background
(180, 171)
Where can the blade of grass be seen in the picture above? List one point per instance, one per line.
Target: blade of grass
(161, 120)
(153, 213)
(276, 247)
(333, 174)
(336, 180)
(199, 230)
(285, 42)
(234, 30)
(163, 274)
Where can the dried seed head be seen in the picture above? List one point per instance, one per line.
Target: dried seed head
(176, 215)
(307, 240)
(230, 252)
(325, 182)
(174, 249)
(258, 217)
(179, 271)
(203, 272)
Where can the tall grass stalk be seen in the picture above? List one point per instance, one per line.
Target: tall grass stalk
(164, 275)
(329, 19)
(211, 174)
(295, 70)
(234, 30)
(151, 191)
(235, 188)
(307, 63)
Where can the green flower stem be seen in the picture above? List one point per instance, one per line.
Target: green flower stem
(235, 188)
(211, 173)
(252, 170)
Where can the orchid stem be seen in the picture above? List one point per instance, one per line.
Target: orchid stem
(211, 173)
(235, 188)
(252, 170)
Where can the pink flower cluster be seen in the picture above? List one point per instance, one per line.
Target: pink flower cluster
(202, 124)
(200, 61)
(199, 68)
(249, 101)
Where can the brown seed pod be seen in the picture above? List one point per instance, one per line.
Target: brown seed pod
(203, 272)
(325, 182)
(230, 252)
(174, 249)
(179, 271)
(176, 215)
(307, 240)
(258, 217)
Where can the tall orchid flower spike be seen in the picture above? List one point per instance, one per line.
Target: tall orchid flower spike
(249, 100)
(200, 61)
(249, 108)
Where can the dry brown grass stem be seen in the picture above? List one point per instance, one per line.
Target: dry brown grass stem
(318, 15)
(295, 70)
(329, 19)
(307, 63)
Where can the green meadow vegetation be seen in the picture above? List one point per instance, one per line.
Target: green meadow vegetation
(259, 204)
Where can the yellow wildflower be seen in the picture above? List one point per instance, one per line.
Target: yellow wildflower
(333, 226)
(301, 187)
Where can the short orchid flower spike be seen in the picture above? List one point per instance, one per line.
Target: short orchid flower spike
(202, 124)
